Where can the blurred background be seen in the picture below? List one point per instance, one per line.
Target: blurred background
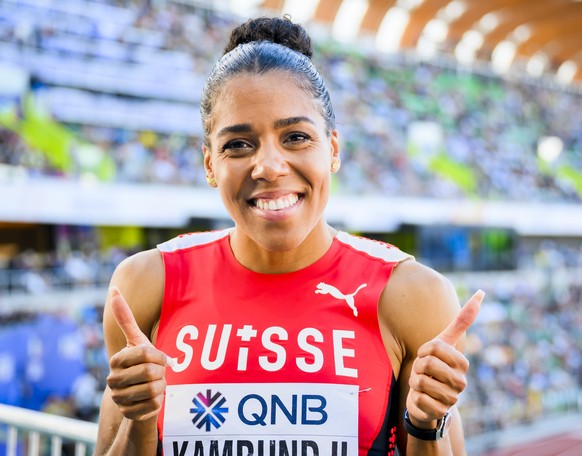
(460, 124)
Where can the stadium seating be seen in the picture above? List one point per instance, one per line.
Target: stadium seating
(121, 85)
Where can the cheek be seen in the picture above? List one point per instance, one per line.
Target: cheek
(225, 170)
(232, 180)
(323, 169)
(321, 184)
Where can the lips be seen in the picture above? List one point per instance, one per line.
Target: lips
(276, 204)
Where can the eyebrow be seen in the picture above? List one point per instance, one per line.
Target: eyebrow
(239, 128)
(281, 123)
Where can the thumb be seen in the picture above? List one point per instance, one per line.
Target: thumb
(464, 319)
(125, 319)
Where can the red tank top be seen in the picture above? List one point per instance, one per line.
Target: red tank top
(276, 364)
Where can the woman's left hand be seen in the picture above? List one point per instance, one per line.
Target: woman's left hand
(438, 374)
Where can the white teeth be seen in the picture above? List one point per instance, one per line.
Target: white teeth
(278, 203)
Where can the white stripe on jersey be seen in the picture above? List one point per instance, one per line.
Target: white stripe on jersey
(368, 246)
(373, 248)
(185, 241)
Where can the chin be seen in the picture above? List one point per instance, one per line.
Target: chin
(279, 243)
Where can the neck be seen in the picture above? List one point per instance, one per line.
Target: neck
(259, 259)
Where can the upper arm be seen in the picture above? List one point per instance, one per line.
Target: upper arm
(140, 279)
(416, 305)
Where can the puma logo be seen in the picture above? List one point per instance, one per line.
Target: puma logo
(324, 288)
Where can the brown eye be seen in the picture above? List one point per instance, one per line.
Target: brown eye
(236, 145)
(297, 138)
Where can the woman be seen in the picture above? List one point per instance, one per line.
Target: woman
(280, 336)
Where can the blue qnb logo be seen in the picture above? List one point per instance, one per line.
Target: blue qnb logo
(208, 410)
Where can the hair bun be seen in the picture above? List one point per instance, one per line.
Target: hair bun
(277, 30)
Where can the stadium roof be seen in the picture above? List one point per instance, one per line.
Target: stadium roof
(538, 36)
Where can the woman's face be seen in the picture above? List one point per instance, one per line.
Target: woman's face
(271, 158)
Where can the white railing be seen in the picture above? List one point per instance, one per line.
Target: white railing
(30, 428)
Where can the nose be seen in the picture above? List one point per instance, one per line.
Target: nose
(269, 163)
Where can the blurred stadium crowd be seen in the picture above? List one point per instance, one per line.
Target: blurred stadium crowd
(525, 353)
(125, 83)
(123, 79)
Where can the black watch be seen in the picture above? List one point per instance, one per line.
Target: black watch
(428, 434)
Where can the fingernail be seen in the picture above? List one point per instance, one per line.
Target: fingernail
(171, 362)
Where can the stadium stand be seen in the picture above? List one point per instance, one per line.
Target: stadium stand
(108, 81)
(114, 87)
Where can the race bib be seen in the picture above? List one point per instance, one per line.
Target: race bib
(281, 419)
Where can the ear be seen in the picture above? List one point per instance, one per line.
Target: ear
(207, 161)
(334, 146)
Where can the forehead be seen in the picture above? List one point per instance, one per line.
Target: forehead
(248, 98)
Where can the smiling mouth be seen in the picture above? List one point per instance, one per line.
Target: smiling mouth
(276, 204)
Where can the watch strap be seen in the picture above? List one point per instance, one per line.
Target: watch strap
(426, 434)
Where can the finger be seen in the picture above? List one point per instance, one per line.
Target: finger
(142, 411)
(151, 391)
(447, 354)
(125, 319)
(131, 330)
(135, 375)
(463, 320)
(434, 389)
(449, 373)
(424, 407)
(140, 355)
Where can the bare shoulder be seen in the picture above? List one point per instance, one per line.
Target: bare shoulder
(140, 279)
(145, 263)
(416, 305)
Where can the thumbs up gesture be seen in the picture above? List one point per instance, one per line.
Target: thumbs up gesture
(438, 373)
(137, 372)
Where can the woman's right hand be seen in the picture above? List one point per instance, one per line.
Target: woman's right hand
(137, 372)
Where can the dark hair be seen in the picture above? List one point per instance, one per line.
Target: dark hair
(261, 45)
(274, 29)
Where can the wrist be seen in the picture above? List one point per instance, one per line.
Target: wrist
(428, 425)
(141, 429)
(438, 429)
